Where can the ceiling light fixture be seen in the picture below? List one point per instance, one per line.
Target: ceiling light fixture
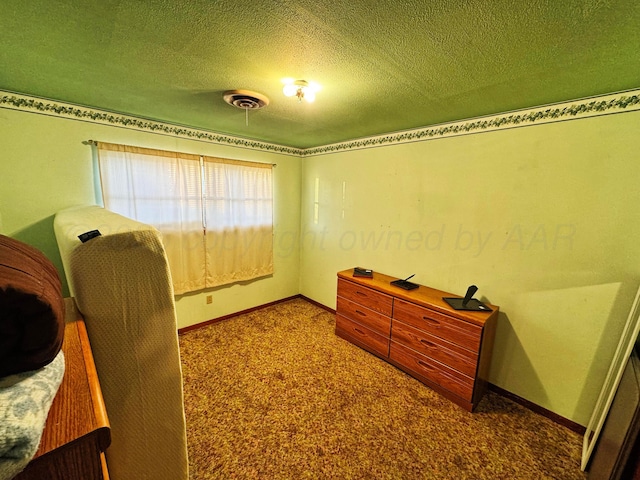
(301, 89)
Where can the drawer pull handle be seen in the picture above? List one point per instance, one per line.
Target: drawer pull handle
(362, 294)
(425, 365)
(427, 343)
(359, 331)
(361, 313)
(431, 320)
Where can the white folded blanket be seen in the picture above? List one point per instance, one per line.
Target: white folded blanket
(25, 400)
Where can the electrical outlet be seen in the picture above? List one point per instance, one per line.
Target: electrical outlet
(209, 299)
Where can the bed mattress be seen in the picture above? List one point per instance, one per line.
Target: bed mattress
(122, 285)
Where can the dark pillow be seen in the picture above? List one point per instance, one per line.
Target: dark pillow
(31, 308)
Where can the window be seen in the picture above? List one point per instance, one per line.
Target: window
(215, 215)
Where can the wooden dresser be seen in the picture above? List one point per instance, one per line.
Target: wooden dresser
(77, 430)
(415, 330)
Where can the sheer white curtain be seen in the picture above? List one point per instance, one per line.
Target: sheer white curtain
(215, 215)
(238, 216)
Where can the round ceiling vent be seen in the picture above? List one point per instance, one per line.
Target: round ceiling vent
(245, 99)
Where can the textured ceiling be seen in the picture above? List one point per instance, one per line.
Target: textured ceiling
(384, 65)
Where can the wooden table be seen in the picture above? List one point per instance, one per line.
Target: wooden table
(77, 431)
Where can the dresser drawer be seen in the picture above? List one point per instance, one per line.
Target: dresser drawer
(422, 366)
(450, 354)
(358, 334)
(374, 300)
(437, 324)
(375, 321)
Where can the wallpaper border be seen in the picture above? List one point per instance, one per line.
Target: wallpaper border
(571, 110)
(17, 101)
(588, 107)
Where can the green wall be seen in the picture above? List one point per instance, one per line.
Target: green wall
(543, 219)
(45, 167)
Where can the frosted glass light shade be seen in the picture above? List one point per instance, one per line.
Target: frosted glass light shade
(301, 89)
(289, 90)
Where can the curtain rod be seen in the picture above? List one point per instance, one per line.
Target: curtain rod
(95, 143)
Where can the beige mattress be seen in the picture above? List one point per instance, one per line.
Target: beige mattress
(122, 285)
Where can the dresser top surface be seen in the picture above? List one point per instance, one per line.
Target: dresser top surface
(425, 296)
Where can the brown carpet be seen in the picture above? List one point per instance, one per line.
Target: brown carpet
(274, 394)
